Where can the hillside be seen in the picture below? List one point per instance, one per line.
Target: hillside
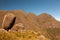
(44, 23)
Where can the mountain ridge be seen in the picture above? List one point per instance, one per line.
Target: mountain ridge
(20, 14)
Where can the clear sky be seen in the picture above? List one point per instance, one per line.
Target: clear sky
(36, 6)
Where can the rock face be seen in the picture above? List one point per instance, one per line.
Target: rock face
(8, 21)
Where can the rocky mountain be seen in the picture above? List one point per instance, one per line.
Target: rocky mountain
(48, 21)
(23, 17)
(44, 22)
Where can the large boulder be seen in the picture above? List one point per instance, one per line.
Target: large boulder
(18, 27)
(8, 21)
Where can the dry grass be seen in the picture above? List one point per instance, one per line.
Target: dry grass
(21, 35)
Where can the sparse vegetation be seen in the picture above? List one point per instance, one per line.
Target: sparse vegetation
(53, 32)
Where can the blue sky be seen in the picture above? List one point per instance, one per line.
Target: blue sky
(36, 6)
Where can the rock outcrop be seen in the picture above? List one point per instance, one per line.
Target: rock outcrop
(8, 21)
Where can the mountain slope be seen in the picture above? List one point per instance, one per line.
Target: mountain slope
(44, 23)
